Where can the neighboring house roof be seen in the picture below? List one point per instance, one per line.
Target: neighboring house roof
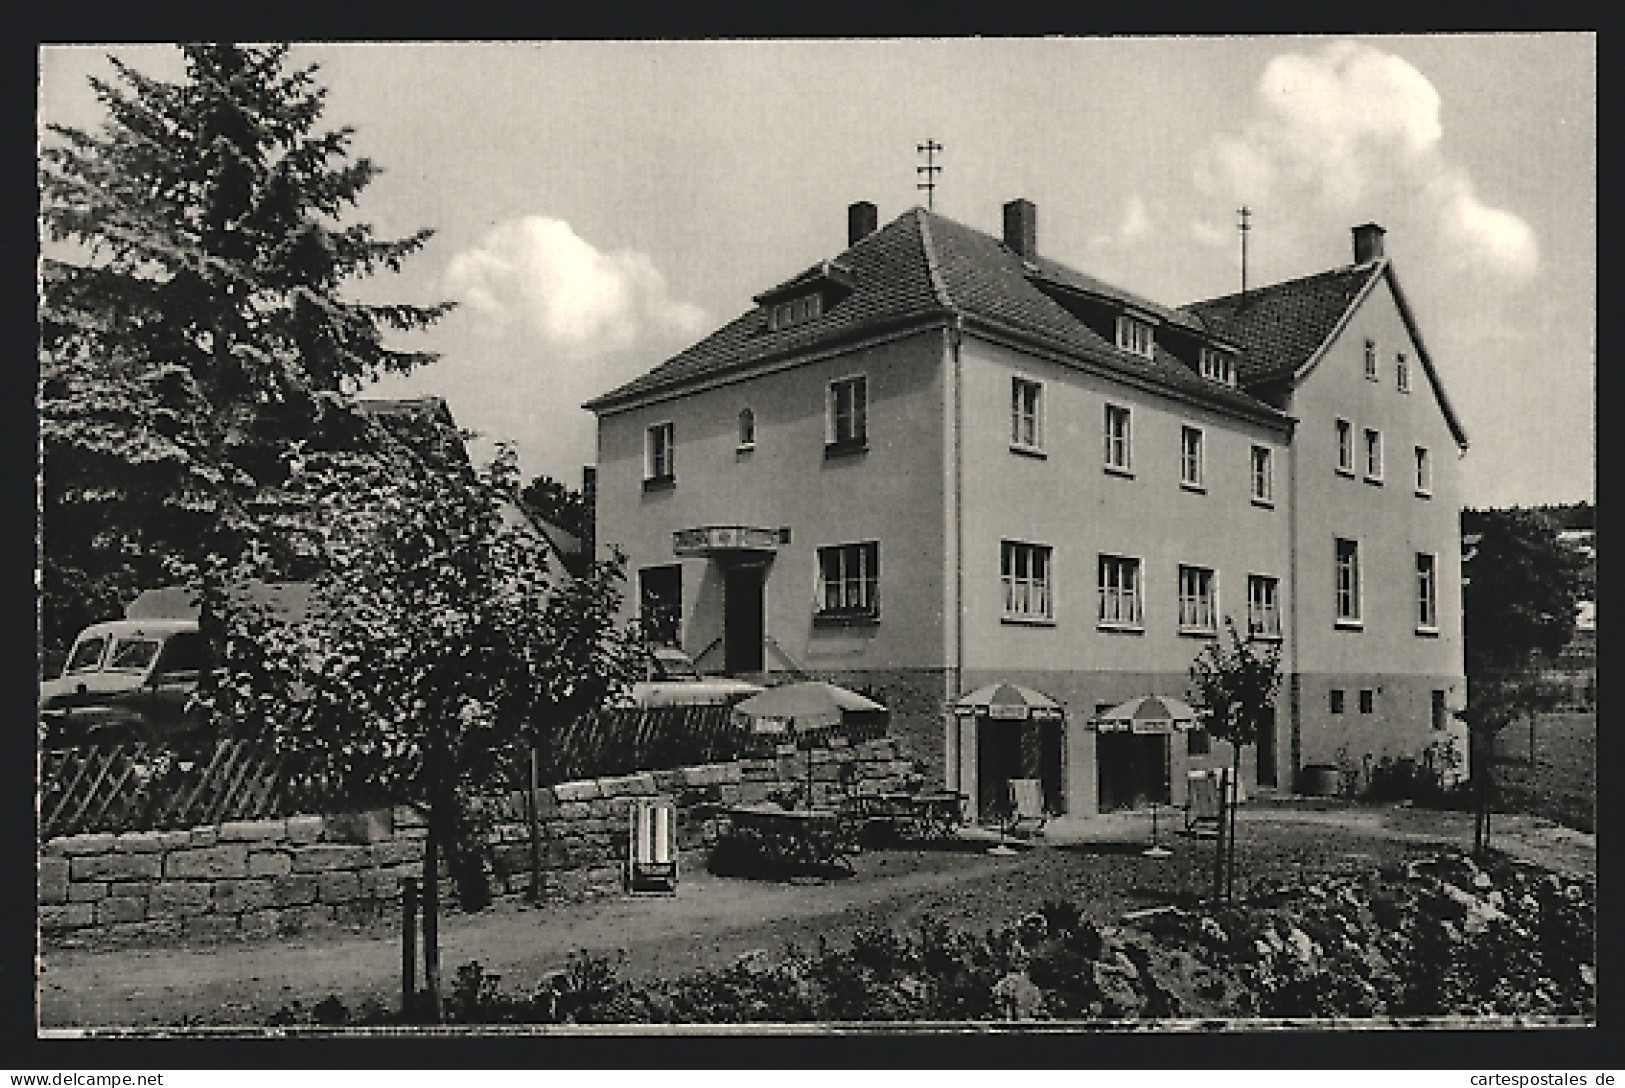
(424, 425)
(923, 269)
(1284, 328)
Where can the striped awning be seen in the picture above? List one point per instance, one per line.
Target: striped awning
(1008, 702)
(1147, 714)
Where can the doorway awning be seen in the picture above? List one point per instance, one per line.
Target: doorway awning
(1008, 702)
(727, 540)
(1147, 714)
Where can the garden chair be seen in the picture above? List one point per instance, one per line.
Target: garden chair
(1027, 815)
(1202, 809)
(651, 856)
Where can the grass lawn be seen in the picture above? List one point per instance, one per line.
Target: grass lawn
(1561, 782)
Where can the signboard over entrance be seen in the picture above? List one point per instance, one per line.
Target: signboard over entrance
(710, 539)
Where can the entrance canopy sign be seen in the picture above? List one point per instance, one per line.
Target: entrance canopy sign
(1147, 714)
(723, 539)
(1009, 702)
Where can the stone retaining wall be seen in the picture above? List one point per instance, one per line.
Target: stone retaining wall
(278, 878)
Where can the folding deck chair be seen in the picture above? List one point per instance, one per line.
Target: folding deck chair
(1027, 813)
(1202, 809)
(651, 856)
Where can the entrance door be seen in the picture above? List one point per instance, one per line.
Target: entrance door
(998, 760)
(1266, 748)
(742, 627)
(1133, 769)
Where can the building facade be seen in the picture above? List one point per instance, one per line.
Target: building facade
(940, 460)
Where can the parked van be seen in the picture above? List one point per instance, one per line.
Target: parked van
(127, 680)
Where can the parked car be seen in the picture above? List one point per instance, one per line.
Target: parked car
(671, 679)
(130, 679)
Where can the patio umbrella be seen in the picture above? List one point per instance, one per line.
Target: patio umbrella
(1148, 714)
(1009, 702)
(806, 706)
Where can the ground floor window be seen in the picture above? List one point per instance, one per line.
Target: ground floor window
(660, 603)
(849, 580)
(1024, 570)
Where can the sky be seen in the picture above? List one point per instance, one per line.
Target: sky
(598, 206)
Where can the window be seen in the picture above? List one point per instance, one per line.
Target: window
(1134, 335)
(1190, 456)
(1368, 701)
(847, 414)
(1348, 581)
(795, 311)
(1335, 700)
(132, 654)
(1118, 438)
(1263, 475)
(660, 603)
(1373, 455)
(1198, 742)
(87, 656)
(1024, 570)
(1119, 591)
(1424, 472)
(1026, 414)
(1219, 366)
(1371, 360)
(1197, 609)
(659, 455)
(1345, 447)
(747, 429)
(1402, 372)
(1263, 606)
(1427, 592)
(849, 580)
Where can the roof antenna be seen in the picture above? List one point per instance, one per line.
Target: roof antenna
(929, 149)
(1245, 227)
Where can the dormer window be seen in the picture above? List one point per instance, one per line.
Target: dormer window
(794, 311)
(1134, 335)
(1218, 366)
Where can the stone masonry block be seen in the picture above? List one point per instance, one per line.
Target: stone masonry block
(339, 887)
(358, 912)
(294, 890)
(53, 880)
(381, 883)
(576, 810)
(259, 924)
(120, 908)
(151, 931)
(211, 927)
(96, 843)
(238, 896)
(397, 852)
(729, 793)
(667, 781)
(58, 916)
(151, 842)
(328, 857)
(253, 830)
(372, 825)
(87, 891)
(205, 836)
(269, 863)
(117, 867)
(633, 785)
(130, 889)
(296, 920)
(304, 829)
(577, 791)
(210, 862)
(407, 816)
(181, 897)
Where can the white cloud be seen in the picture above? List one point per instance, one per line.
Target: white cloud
(1209, 234)
(538, 274)
(1354, 131)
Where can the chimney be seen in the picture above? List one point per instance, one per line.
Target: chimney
(1367, 242)
(861, 220)
(1021, 227)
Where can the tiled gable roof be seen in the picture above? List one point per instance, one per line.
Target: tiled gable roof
(922, 266)
(1281, 326)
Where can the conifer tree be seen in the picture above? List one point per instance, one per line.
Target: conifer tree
(195, 335)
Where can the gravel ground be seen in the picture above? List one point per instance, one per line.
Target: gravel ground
(713, 920)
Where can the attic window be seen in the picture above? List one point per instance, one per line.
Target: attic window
(1218, 366)
(794, 311)
(1134, 335)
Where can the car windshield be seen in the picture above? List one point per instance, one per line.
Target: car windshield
(87, 655)
(133, 654)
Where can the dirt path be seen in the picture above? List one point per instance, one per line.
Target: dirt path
(713, 920)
